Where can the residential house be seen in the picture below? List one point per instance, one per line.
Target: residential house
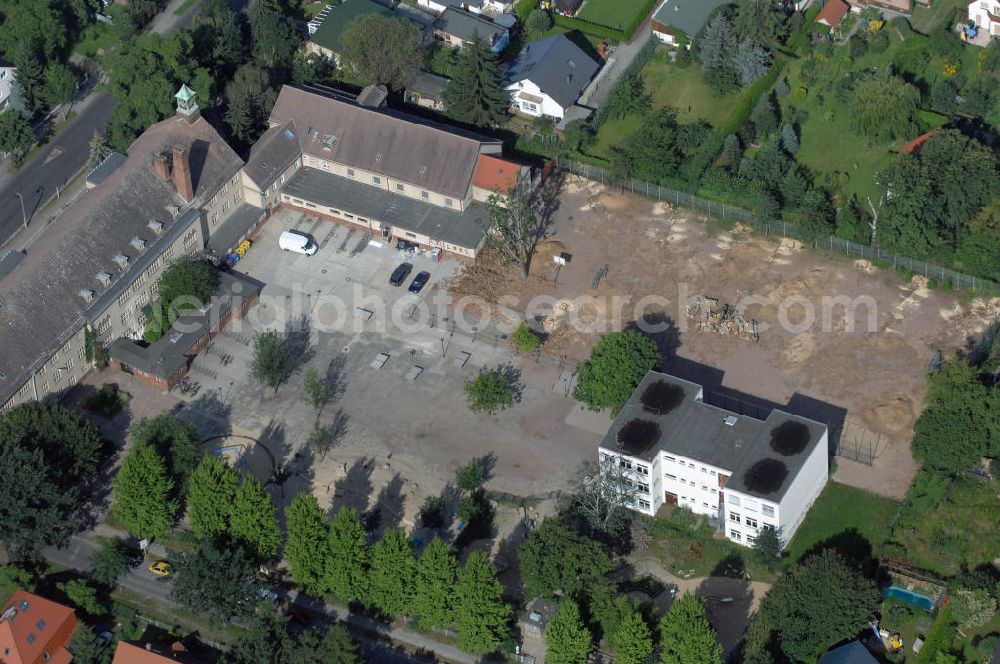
(7, 71)
(743, 473)
(490, 7)
(458, 28)
(128, 653)
(986, 16)
(35, 630)
(548, 76)
(98, 268)
(427, 91)
(393, 174)
(676, 18)
(833, 13)
(568, 8)
(854, 652)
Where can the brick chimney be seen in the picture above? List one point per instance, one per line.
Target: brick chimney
(161, 165)
(182, 174)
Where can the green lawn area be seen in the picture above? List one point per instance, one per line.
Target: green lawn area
(612, 13)
(972, 646)
(842, 509)
(94, 37)
(184, 6)
(925, 19)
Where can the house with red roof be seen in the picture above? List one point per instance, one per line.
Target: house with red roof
(35, 630)
(833, 13)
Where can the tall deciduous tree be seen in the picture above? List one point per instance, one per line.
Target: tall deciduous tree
(686, 635)
(554, 559)
(381, 49)
(391, 574)
(273, 37)
(883, 106)
(319, 390)
(616, 366)
(215, 579)
(143, 491)
(47, 454)
(481, 615)
(514, 225)
(334, 647)
(979, 252)
(346, 573)
(434, 598)
(210, 495)
(60, 84)
(252, 520)
(16, 135)
(176, 440)
(567, 639)
(308, 545)
(476, 94)
(633, 642)
(272, 362)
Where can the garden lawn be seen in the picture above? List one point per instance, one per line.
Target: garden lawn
(612, 13)
(96, 36)
(841, 508)
(926, 19)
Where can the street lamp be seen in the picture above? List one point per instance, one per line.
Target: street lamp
(24, 215)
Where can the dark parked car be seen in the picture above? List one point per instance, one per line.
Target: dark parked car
(400, 274)
(134, 557)
(419, 282)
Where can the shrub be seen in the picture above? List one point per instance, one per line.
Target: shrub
(538, 22)
(489, 392)
(801, 93)
(525, 339)
(879, 43)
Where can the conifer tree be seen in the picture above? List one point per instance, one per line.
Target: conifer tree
(142, 491)
(211, 491)
(391, 574)
(475, 95)
(346, 574)
(434, 587)
(633, 641)
(481, 615)
(567, 639)
(253, 522)
(307, 548)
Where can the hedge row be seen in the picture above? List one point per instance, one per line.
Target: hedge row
(939, 637)
(591, 28)
(638, 18)
(748, 100)
(634, 69)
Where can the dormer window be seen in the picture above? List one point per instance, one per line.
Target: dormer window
(156, 227)
(103, 278)
(87, 295)
(138, 243)
(121, 260)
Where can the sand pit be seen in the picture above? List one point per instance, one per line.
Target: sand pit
(866, 350)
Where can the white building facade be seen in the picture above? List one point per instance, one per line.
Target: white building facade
(986, 15)
(744, 474)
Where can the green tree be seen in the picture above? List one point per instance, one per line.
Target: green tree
(514, 225)
(489, 392)
(481, 615)
(751, 62)
(143, 492)
(686, 635)
(653, 152)
(628, 97)
(215, 579)
(250, 96)
(433, 602)
(767, 548)
(307, 548)
(346, 572)
(334, 647)
(538, 23)
(716, 45)
(757, 20)
(176, 440)
(218, 36)
(210, 494)
(883, 106)
(16, 136)
(818, 602)
(381, 49)
(391, 574)
(616, 366)
(83, 596)
(60, 84)
(272, 362)
(525, 339)
(29, 74)
(476, 94)
(108, 562)
(472, 475)
(39, 26)
(252, 521)
(554, 559)
(318, 390)
(567, 639)
(633, 642)
(84, 646)
(955, 429)
(273, 37)
(266, 641)
(979, 252)
(187, 283)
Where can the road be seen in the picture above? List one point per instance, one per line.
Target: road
(67, 152)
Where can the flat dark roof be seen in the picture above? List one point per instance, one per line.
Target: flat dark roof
(229, 233)
(332, 191)
(763, 456)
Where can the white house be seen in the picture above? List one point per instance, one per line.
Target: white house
(474, 6)
(744, 473)
(674, 18)
(548, 76)
(6, 81)
(986, 15)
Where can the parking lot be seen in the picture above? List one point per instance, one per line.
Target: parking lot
(400, 418)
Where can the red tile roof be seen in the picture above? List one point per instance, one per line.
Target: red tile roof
(914, 146)
(833, 13)
(34, 630)
(130, 654)
(494, 174)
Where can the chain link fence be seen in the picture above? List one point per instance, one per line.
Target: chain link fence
(725, 212)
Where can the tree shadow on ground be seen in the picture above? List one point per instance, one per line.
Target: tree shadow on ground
(389, 505)
(210, 412)
(729, 608)
(355, 488)
(298, 332)
(662, 330)
(856, 550)
(512, 376)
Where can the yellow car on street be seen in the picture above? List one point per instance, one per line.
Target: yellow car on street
(160, 568)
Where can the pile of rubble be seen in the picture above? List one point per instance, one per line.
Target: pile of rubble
(725, 320)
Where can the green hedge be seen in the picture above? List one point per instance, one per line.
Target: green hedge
(638, 18)
(748, 100)
(634, 69)
(939, 637)
(591, 28)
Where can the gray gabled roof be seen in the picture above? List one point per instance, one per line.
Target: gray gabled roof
(390, 143)
(428, 85)
(686, 15)
(560, 68)
(466, 25)
(272, 154)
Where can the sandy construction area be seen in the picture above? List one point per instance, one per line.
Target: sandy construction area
(857, 362)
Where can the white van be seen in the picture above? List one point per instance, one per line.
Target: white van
(298, 242)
